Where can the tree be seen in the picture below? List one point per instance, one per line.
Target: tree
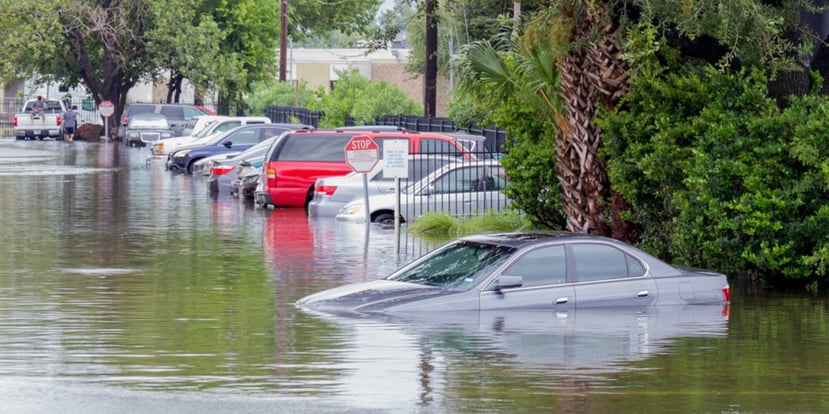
(577, 68)
(111, 45)
(354, 95)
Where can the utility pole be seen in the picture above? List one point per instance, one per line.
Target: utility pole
(283, 41)
(431, 75)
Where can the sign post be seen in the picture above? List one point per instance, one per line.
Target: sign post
(361, 154)
(106, 109)
(396, 165)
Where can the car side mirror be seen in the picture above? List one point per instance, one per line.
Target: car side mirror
(228, 144)
(508, 281)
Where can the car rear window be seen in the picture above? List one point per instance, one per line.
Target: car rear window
(140, 109)
(306, 147)
(173, 112)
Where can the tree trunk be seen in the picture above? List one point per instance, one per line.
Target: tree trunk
(593, 75)
(431, 73)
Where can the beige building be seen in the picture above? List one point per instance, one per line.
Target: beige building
(319, 67)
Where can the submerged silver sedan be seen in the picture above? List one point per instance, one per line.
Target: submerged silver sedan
(527, 270)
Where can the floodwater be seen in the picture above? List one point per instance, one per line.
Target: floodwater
(127, 289)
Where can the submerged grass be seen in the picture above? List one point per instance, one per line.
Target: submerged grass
(443, 225)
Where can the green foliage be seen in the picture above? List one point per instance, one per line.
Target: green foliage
(443, 225)
(354, 94)
(267, 93)
(517, 92)
(719, 177)
(756, 33)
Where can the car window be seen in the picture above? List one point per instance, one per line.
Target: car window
(192, 112)
(460, 265)
(227, 126)
(172, 112)
(496, 179)
(303, 147)
(418, 168)
(268, 132)
(438, 146)
(207, 130)
(140, 109)
(459, 180)
(600, 262)
(540, 267)
(245, 136)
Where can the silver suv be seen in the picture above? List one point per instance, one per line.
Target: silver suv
(177, 114)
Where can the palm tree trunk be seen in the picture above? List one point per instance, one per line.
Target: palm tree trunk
(592, 75)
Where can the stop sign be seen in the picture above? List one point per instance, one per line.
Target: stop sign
(106, 108)
(361, 153)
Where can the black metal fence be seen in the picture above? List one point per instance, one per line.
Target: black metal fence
(495, 138)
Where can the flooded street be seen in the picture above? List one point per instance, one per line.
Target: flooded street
(127, 289)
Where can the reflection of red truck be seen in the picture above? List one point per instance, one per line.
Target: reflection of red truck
(39, 126)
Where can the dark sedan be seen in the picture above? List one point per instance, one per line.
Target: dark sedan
(236, 140)
(527, 270)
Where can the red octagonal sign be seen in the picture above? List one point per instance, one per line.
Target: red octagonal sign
(361, 153)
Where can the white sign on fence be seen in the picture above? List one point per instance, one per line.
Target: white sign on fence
(396, 158)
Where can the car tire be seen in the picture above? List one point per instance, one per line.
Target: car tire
(386, 219)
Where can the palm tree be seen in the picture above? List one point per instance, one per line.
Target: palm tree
(569, 59)
(593, 74)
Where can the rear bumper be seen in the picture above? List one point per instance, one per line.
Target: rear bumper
(262, 198)
(324, 208)
(46, 132)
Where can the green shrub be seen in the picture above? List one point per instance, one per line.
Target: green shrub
(720, 177)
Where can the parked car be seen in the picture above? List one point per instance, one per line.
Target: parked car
(295, 161)
(198, 123)
(237, 139)
(177, 115)
(163, 148)
(331, 194)
(145, 129)
(247, 179)
(223, 172)
(527, 270)
(461, 188)
(201, 168)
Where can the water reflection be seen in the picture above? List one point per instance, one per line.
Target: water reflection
(432, 355)
(124, 288)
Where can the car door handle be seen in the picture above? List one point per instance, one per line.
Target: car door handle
(642, 294)
(562, 300)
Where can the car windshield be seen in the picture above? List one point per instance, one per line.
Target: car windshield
(460, 265)
(207, 130)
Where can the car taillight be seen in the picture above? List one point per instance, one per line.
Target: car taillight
(726, 294)
(270, 177)
(326, 189)
(124, 121)
(15, 121)
(221, 169)
(59, 118)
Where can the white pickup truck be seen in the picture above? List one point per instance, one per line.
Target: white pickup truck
(29, 126)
